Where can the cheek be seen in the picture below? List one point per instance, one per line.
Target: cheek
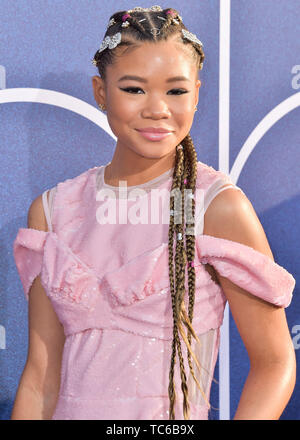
(184, 105)
(124, 109)
(183, 112)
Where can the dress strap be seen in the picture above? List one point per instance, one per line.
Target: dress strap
(218, 186)
(215, 189)
(47, 204)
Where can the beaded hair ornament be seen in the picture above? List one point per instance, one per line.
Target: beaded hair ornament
(111, 42)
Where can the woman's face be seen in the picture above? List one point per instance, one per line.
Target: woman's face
(155, 98)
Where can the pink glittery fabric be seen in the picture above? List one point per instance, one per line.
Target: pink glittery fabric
(109, 286)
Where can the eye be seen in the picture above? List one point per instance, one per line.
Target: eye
(134, 90)
(179, 91)
(130, 89)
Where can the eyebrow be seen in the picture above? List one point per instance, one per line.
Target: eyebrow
(143, 80)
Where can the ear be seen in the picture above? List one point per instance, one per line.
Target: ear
(197, 87)
(99, 89)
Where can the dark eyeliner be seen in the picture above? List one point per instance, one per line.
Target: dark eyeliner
(127, 89)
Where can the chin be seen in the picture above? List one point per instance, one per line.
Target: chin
(155, 151)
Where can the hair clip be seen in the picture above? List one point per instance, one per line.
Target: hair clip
(176, 18)
(124, 19)
(191, 37)
(173, 212)
(110, 42)
(111, 22)
(161, 18)
(155, 31)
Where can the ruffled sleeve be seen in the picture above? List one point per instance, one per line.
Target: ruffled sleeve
(247, 268)
(28, 249)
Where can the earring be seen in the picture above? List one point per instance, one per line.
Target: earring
(102, 106)
(196, 109)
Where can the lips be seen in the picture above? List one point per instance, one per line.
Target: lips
(154, 130)
(155, 136)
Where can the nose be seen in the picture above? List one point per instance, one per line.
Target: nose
(156, 109)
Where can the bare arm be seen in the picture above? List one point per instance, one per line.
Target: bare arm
(38, 388)
(262, 325)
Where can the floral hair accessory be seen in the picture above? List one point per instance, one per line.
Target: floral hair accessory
(189, 36)
(110, 42)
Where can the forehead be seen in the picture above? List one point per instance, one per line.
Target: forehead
(163, 58)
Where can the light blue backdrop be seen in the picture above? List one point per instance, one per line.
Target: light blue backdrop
(48, 44)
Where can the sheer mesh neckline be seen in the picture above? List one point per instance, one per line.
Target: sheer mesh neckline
(147, 185)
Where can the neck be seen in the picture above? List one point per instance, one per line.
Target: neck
(135, 169)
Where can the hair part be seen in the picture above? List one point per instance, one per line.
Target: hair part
(185, 168)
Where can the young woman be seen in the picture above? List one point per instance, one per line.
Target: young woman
(125, 315)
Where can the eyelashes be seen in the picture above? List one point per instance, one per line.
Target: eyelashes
(133, 90)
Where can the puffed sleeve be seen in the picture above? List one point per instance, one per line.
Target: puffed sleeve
(28, 249)
(247, 268)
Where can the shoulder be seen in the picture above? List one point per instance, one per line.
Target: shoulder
(231, 215)
(257, 289)
(36, 218)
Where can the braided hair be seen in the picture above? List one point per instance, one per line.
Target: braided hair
(139, 26)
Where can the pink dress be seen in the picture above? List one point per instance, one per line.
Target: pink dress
(109, 286)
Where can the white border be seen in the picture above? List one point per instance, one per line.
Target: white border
(224, 114)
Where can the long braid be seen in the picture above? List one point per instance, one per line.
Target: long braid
(168, 22)
(180, 174)
(190, 245)
(172, 230)
(171, 389)
(180, 262)
(190, 238)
